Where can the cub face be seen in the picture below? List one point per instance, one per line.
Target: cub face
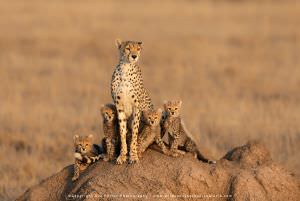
(83, 144)
(152, 118)
(173, 108)
(108, 112)
(129, 50)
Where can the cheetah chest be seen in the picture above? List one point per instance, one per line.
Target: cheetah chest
(124, 91)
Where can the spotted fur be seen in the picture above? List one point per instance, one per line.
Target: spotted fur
(85, 153)
(110, 129)
(179, 137)
(151, 132)
(129, 96)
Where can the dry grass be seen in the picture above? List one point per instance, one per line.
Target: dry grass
(234, 64)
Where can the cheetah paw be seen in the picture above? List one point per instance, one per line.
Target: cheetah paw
(180, 152)
(177, 153)
(133, 159)
(174, 155)
(120, 160)
(106, 158)
(212, 162)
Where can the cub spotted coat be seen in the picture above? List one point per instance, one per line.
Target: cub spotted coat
(110, 129)
(85, 153)
(178, 135)
(151, 132)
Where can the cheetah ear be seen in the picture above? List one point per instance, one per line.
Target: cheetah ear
(140, 43)
(118, 43)
(159, 110)
(165, 104)
(75, 137)
(90, 136)
(102, 108)
(180, 102)
(145, 113)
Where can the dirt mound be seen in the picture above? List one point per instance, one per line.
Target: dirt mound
(250, 155)
(245, 173)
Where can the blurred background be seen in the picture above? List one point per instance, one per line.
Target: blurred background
(234, 64)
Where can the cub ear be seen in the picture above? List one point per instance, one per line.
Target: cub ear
(159, 110)
(165, 103)
(91, 136)
(102, 108)
(75, 137)
(145, 113)
(118, 43)
(140, 43)
(179, 103)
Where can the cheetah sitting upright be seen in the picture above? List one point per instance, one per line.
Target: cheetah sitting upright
(110, 129)
(179, 137)
(129, 96)
(151, 132)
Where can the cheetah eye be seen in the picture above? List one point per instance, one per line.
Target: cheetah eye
(176, 108)
(87, 145)
(127, 48)
(169, 108)
(138, 49)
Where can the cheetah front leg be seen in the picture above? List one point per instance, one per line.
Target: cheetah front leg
(108, 156)
(174, 146)
(135, 129)
(123, 131)
(140, 145)
(161, 144)
(76, 170)
(112, 150)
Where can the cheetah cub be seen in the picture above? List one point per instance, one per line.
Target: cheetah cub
(151, 132)
(85, 153)
(179, 137)
(110, 129)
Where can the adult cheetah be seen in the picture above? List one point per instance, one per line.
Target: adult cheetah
(129, 96)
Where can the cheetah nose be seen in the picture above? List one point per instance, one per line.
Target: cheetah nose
(134, 56)
(173, 113)
(152, 122)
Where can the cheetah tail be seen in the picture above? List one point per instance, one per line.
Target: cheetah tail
(202, 158)
(96, 158)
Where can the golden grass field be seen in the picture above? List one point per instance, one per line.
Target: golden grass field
(235, 65)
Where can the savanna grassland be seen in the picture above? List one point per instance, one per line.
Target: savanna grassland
(235, 65)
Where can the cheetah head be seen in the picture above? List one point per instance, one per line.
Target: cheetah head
(152, 118)
(173, 108)
(83, 144)
(129, 50)
(108, 112)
